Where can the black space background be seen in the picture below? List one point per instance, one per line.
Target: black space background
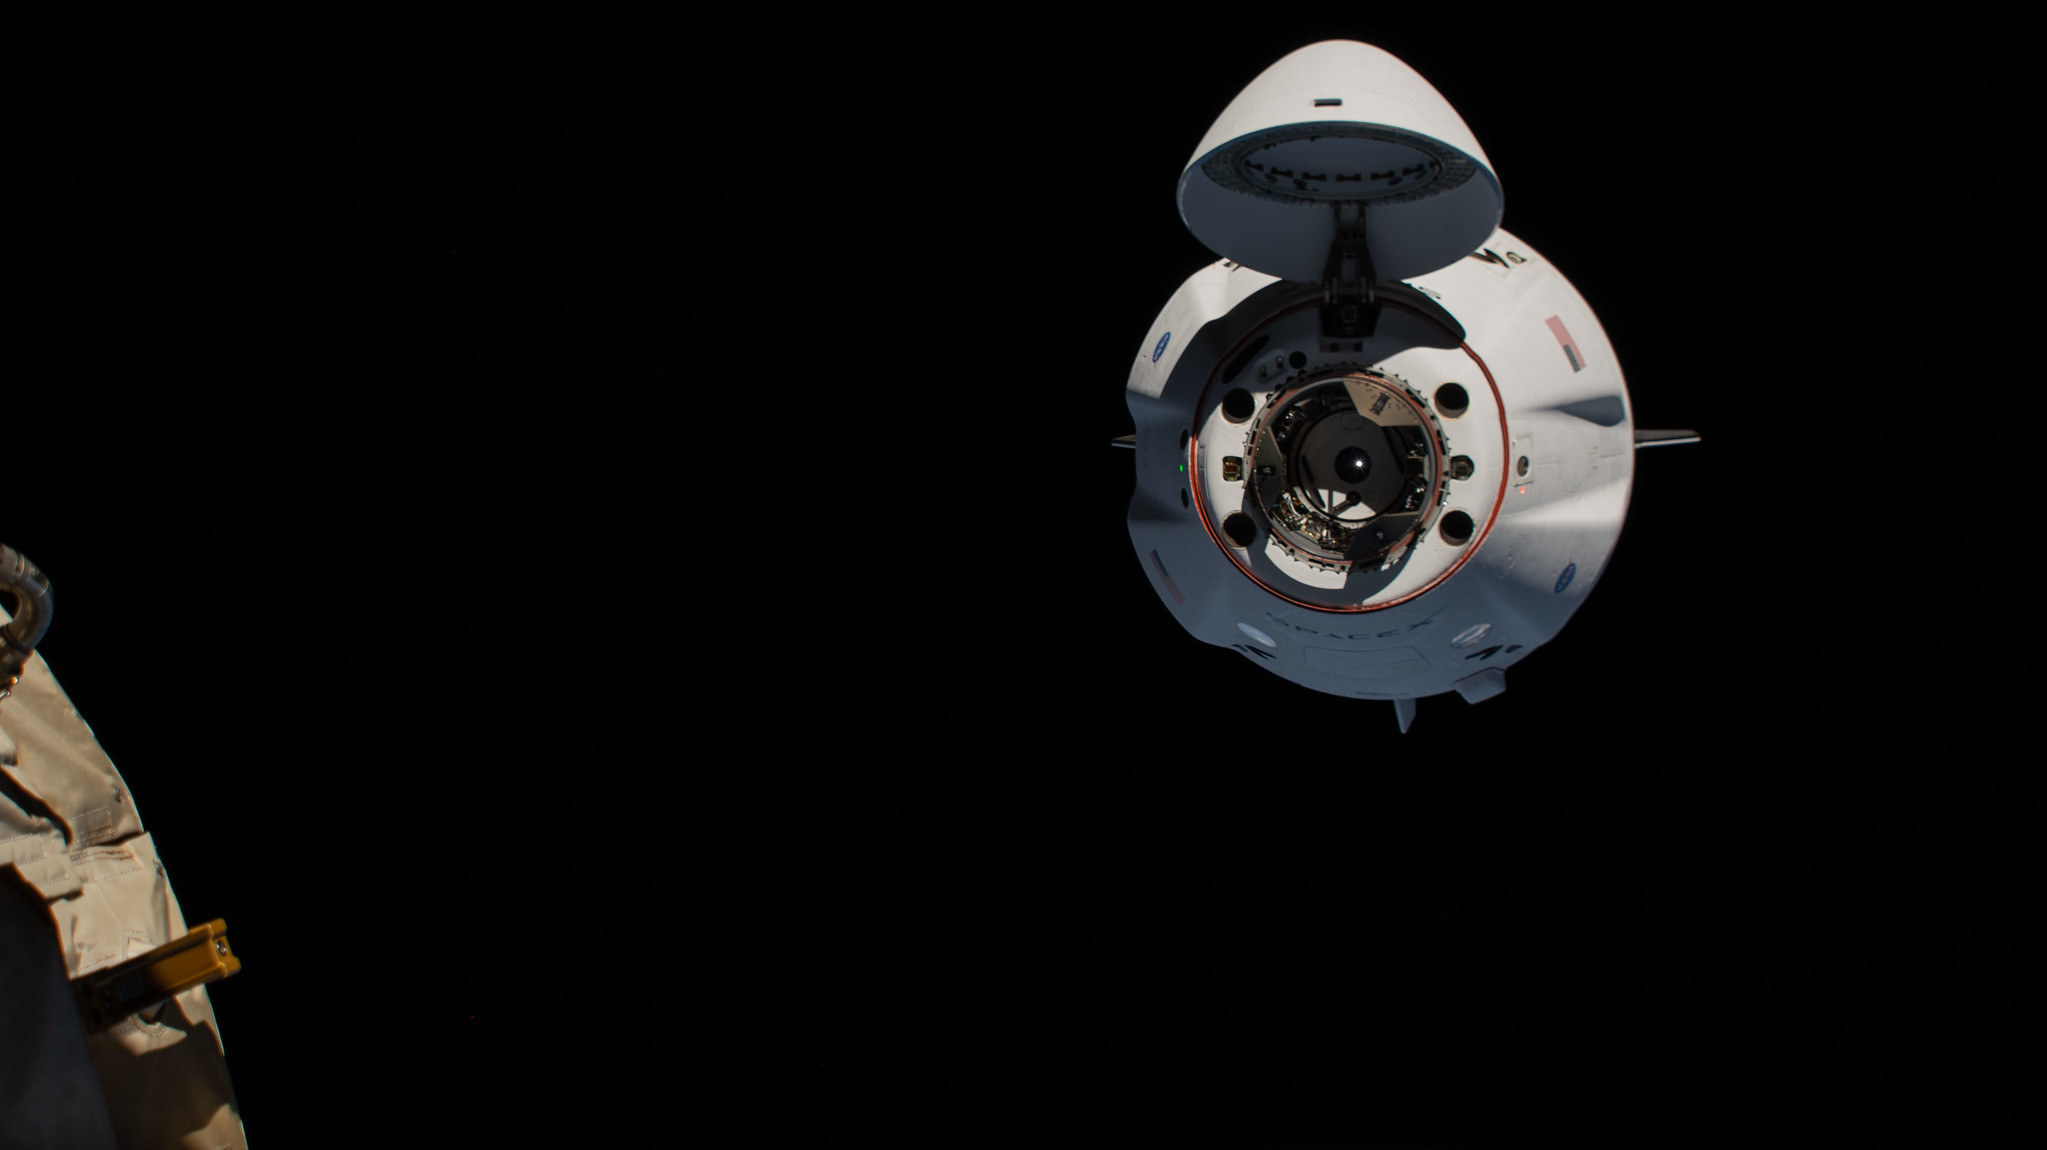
(598, 553)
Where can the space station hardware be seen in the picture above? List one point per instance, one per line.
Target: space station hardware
(98, 974)
(202, 956)
(31, 593)
(1383, 447)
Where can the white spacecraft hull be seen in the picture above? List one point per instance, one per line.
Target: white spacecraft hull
(1543, 385)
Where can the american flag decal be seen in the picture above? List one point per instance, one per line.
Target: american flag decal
(1556, 328)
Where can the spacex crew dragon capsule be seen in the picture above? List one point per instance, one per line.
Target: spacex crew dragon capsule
(1383, 447)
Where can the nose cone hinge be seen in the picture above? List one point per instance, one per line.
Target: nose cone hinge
(1349, 308)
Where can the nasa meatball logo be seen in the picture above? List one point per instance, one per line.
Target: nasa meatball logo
(1564, 580)
(1161, 348)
